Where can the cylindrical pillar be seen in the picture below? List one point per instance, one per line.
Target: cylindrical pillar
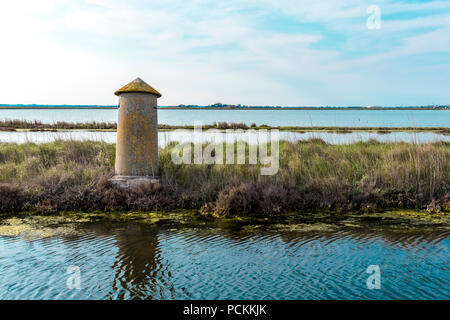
(137, 134)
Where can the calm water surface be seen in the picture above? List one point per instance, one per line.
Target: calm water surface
(352, 118)
(134, 261)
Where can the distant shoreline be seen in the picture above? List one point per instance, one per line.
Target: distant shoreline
(304, 108)
(5, 107)
(53, 108)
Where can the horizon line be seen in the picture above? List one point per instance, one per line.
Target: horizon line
(215, 106)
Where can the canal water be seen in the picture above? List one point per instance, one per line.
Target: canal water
(136, 261)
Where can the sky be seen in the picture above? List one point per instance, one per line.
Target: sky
(251, 52)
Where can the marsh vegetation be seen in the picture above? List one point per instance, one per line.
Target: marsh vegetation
(13, 125)
(313, 175)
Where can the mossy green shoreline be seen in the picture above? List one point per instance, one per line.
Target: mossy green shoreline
(29, 225)
(316, 181)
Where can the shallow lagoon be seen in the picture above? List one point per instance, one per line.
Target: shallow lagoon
(330, 118)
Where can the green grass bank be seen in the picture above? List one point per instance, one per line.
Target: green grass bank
(65, 176)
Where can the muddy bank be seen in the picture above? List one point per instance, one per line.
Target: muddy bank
(30, 226)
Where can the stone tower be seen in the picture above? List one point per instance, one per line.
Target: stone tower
(137, 135)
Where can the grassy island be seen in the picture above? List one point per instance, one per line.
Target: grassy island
(73, 176)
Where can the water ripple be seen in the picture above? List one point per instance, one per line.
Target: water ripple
(141, 262)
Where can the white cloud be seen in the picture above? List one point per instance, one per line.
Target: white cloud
(435, 20)
(402, 7)
(202, 51)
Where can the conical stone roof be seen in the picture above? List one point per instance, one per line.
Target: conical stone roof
(137, 85)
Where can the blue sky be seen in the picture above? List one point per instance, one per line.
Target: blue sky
(255, 52)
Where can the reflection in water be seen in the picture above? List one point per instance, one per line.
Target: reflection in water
(133, 261)
(140, 272)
